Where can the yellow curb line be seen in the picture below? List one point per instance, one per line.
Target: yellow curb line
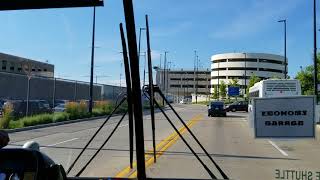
(160, 148)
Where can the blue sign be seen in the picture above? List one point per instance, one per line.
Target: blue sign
(234, 91)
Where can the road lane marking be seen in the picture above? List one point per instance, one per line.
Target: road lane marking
(160, 148)
(123, 125)
(50, 145)
(278, 148)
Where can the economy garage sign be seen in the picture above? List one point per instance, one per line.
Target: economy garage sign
(284, 117)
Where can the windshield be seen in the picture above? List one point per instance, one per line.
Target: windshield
(62, 73)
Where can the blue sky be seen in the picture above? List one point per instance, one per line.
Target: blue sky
(63, 36)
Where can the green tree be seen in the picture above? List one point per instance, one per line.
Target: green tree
(234, 83)
(222, 89)
(215, 92)
(253, 79)
(306, 78)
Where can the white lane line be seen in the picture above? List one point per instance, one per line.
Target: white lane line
(277, 147)
(123, 125)
(50, 145)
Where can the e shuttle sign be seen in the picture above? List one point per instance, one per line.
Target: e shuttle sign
(284, 117)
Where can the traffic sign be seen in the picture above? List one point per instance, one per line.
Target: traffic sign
(233, 91)
(284, 117)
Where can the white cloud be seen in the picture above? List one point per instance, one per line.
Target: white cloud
(171, 30)
(258, 16)
(69, 32)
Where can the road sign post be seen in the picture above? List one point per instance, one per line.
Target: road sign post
(234, 91)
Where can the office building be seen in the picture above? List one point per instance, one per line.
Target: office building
(18, 65)
(182, 82)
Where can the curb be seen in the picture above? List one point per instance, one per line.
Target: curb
(55, 124)
(60, 123)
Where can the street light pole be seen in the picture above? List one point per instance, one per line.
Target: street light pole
(164, 74)
(194, 72)
(285, 48)
(315, 62)
(218, 88)
(92, 60)
(144, 69)
(140, 40)
(245, 75)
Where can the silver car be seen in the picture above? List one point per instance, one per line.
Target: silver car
(60, 108)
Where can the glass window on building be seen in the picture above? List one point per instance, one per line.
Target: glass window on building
(4, 65)
(11, 66)
(19, 68)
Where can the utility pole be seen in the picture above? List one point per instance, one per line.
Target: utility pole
(194, 74)
(92, 61)
(315, 62)
(168, 72)
(164, 73)
(184, 85)
(144, 69)
(54, 92)
(140, 40)
(160, 60)
(197, 79)
(218, 80)
(187, 85)
(75, 91)
(245, 75)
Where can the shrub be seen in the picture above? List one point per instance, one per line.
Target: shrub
(7, 116)
(105, 106)
(83, 109)
(37, 119)
(72, 108)
(98, 112)
(123, 108)
(77, 110)
(59, 117)
(15, 124)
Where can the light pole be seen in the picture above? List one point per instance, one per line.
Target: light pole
(245, 75)
(194, 71)
(140, 40)
(285, 48)
(315, 63)
(92, 60)
(144, 69)
(218, 88)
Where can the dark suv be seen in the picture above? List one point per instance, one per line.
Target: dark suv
(238, 106)
(216, 108)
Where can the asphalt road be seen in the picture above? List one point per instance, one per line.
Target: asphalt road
(63, 143)
(229, 140)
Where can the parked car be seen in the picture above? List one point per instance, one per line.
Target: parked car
(35, 107)
(170, 99)
(185, 101)
(216, 108)
(45, 103)
(238, 106)
(60, 108)
(57, 102)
